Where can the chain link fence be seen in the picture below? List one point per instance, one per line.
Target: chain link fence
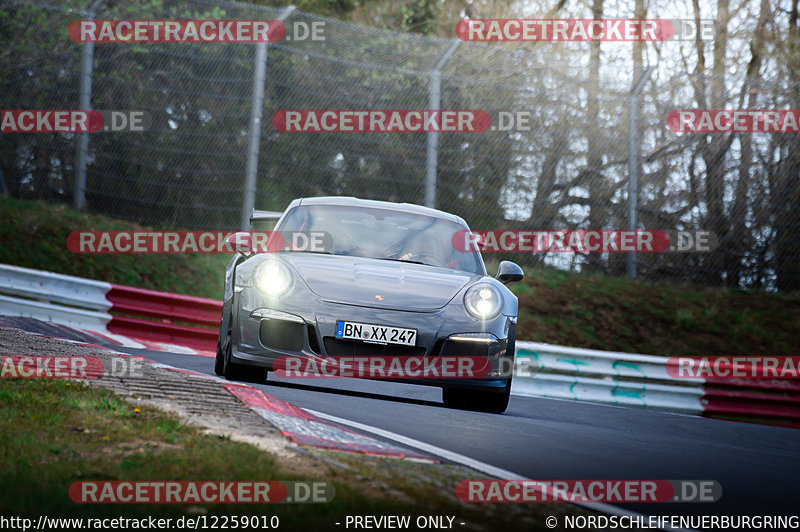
(567, 170)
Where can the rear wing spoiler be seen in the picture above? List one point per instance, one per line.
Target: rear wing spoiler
(259, 216)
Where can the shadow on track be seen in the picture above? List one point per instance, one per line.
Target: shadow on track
(352, 393)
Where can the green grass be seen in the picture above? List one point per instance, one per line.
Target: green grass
(54, 433)
(597, 311)
(35, 236)
(565, 308)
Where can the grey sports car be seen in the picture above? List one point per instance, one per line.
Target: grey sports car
(388, 283)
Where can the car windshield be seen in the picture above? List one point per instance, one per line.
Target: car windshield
(384, 234)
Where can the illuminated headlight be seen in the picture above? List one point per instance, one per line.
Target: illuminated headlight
(272, 278)
(483, 301)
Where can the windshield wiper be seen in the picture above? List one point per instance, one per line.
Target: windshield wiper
(405, 260)
(318, 251)
(324, 252)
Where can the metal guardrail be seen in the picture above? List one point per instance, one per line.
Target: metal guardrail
(112, 309)
(54, 297)
(541, 370)
(53, 287)
(622, 379)
(626, 379)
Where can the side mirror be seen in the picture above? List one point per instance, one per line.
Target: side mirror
(241, 242)
(508, 272)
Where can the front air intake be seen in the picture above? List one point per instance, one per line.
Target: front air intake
(282, 335)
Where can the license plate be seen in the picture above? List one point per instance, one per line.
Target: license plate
(348, 330)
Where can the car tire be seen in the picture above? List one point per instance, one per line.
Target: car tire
(479, 401)
(457, 399)
(231, 370)
(239, 372)
(484, 401)
(219, 360)
(497, 403)
(224, 365)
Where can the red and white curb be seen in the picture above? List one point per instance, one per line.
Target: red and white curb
(104, 338)
(137, 318)
(305, 428)
(296, 424)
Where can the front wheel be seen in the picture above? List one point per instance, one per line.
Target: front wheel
(219, 361)
(238, 372)
(223, 342)
(485, 401)
(231, 370)
(224, 366)
(481, 401)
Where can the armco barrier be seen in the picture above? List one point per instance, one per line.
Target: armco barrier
(767, 400)
(104, 307)
(628, 379)
(542, 370)
(139, 302)
(179, 316)
(623, 379)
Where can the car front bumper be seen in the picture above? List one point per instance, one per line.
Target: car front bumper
(264, 331)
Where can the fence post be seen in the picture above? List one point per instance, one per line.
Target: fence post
(434, 100)
(254, 136)
(82, 155)
(633, 159)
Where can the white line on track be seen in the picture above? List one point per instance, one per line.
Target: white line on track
(472, 463)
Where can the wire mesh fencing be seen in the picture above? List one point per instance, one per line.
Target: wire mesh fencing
(567, 167)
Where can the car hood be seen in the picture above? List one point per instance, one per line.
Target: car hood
(362, 281)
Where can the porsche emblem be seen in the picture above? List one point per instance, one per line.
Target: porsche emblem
(379, 297)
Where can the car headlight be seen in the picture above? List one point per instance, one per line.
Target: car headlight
(483, 301)
(272, 278)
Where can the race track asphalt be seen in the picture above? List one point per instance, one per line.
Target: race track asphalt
(757, 466)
